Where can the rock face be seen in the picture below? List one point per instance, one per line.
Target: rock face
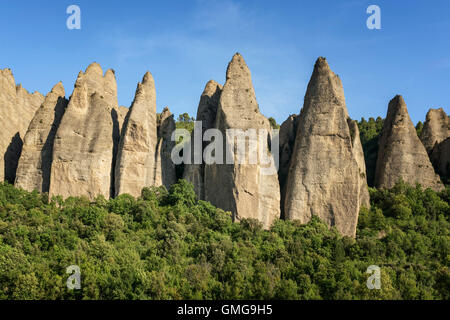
(87, 138)
(401, 154)
(364, 197)
(136, 155)
(164, 167)
(436, 139)
(33, 171)
(324, 176)
(206, 113)
(440, 158)
(288, 132)
(245, 189)
(121, 115)
(436, 129)
(17, 108)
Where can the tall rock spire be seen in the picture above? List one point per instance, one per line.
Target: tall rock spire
(17, 108)
(33, 172)
(436, 128)
(206, 114)
(288, 133)
(324, 178)
(165, 173)
(435, 137)
(136, 154)
(401, 154)
(246, 189)
(87, 138)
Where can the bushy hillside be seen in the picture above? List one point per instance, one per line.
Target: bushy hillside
(369, 133)
(168, 245)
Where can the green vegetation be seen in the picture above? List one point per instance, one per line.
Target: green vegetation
(273, 123)
(185, 122)
(369, 132)
(419, 127)
(168, 245)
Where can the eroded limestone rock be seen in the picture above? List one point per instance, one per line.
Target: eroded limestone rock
(288, 132)
(324, 177)
(206, 113)
(33, 171)
(245, 189)
(87, 138)
(435, 137)
(136, 154)
(401, 154)
(17, 109)
(164, 167)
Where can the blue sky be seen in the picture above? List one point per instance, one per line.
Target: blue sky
(186, 43)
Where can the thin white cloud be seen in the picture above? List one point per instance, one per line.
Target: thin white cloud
(221, 16)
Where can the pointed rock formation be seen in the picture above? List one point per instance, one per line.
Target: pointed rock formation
(164, 167)
(436, 139)
(324, 176)
(206, 113)
(401, 154)
(33, 171)
(136, 155)
(288, 132)
(436, 129)
(248, 190)
(87, 138)
(17, 108)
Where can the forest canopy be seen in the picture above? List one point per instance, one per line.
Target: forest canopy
(168, 245)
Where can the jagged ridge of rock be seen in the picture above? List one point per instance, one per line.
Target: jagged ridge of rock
(33, 171)
(245, 189)
(288, 132)
(435, 137)
(401, 154)
(87, 138)
(165, 173)
(136, 155)
(17, 108)
(324, 176)
(206, 114)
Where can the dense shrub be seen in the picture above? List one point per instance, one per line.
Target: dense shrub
(168, 245)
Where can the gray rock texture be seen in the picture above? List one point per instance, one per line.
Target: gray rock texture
(17, 108)
(288, 132)
(136, 155)
(358, 152)
(401, 154)
(435, 137)
(121, 115)
(33, 171)
(324, 177)
(165, 173)
(245, 189)
(440, 158)
(87, 138)
(206, 113)
(435, 129)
